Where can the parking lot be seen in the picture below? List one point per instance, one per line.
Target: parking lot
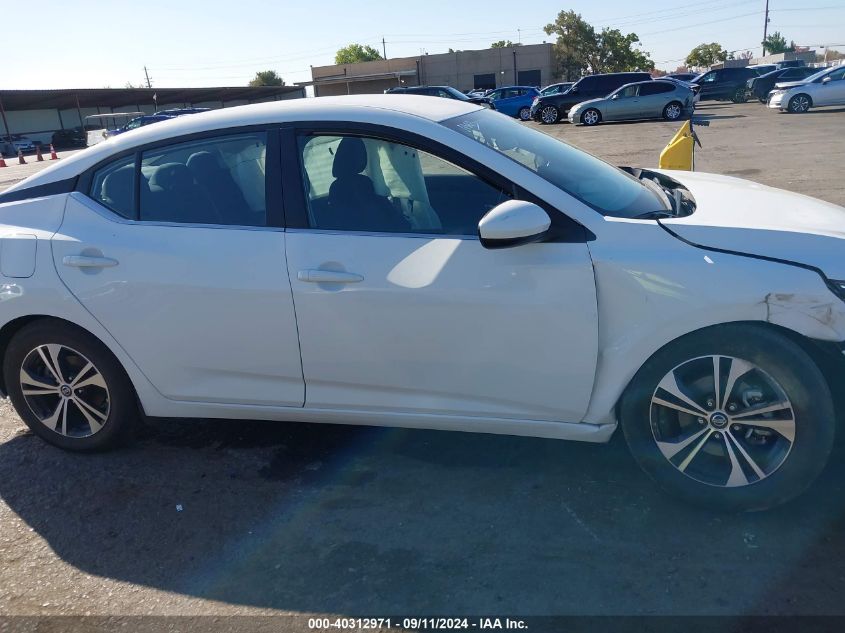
(215, 517)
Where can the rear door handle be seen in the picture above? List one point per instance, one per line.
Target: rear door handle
(318, 276)
(87, 261)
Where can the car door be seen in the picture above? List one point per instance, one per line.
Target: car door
(179, 251)
(709, 86)
(831, 92)
(624, 104)
(508, 101)
(654, 97)
(399, 306)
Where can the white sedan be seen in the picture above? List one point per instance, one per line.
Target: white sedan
(426, 263)
(825, 88)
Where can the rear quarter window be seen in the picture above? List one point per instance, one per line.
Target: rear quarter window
(113, 186)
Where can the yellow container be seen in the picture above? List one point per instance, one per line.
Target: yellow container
(678, 154)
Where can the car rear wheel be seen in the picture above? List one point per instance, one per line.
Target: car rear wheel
(68, 387)
(740, 96)
(735, 417)
(524, 113)
(549, 114)
(591, 116)
(673, 111)
(799, 104)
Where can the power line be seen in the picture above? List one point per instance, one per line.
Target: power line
(691, 26)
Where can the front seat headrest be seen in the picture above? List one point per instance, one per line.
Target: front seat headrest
(172, 176)
(350, 158)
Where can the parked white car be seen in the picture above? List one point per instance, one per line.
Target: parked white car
(825, 88)
(428, 263)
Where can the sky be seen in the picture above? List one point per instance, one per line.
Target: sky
(195, 43)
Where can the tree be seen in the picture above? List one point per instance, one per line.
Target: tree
(706, 55)
(776, 43)
(615, 53)
(504, 44)
(355, 53)
(580, 49)
(266, 78)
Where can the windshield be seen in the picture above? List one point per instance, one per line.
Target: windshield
(457, 94)
(605, 188)
(819, 75)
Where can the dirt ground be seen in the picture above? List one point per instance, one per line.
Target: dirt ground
(215, 517)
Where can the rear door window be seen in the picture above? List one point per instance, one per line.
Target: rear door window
(218, 180)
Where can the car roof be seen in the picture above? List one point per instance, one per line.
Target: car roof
(378, 108)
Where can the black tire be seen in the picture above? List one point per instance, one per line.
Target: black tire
(524, 114)
(119, 403)
(799, 104)
(590, 117)
(763, 99)
(739, 96)
(549, 114)
(671, 113)
(782, 360)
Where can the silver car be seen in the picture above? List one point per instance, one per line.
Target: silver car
(641, 100)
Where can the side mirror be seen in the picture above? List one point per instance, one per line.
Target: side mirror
(826, 80)
(513, 223)
(616, 96)
(573, 89)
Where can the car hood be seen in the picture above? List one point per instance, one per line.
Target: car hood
(786, 85)
(588, 102)
(746, 217)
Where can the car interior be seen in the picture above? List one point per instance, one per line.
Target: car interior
(366, 184)
(207, 182)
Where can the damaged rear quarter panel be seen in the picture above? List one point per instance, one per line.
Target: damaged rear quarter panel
(653, 288)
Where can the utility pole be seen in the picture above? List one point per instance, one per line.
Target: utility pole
(384, 47)
(147, 75)
(765, 27)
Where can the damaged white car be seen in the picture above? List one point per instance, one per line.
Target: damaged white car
(403, 261)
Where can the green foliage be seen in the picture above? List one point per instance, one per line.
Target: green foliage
(580, 50)
(267, 78)
(705, 55)
(355, 53)
(504, 44)
(776, 43)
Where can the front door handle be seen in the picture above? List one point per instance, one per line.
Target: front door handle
(318, 276)
(87, 261)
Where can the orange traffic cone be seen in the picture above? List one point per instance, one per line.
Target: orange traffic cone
(20, 158)
(38, 155)
(2, 162)
(53, 155)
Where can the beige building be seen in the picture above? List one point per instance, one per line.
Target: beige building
(529, 65)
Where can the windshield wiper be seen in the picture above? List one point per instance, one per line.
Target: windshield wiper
(654, 215)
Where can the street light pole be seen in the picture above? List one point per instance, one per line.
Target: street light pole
(765, 27)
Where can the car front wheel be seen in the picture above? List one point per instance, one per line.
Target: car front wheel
(524, 113)
(68, 387)
(549, 114)
(799, 104)
(735, 417)
(591, 116)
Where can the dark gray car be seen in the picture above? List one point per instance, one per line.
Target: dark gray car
(641, 100)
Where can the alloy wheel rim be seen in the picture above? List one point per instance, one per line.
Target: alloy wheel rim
(524, 114)
(65, 390)
(590, 117)
(722, 421)
(549, 114)
(801, 104)
(673, 112)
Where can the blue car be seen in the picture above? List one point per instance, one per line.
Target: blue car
(514, 101)
(137, 122)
